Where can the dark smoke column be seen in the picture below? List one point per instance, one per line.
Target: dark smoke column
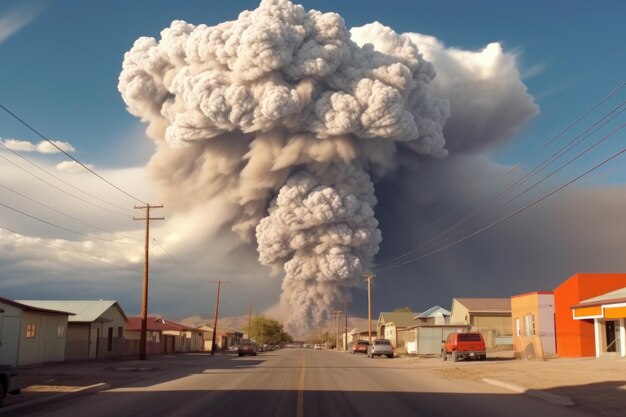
(283, 116)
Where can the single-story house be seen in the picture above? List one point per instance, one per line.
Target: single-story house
(435, 315)
(163, 336)
(582, 327)
(31, 335)
(489, 316)
(533, 325)
(397, 327)
(95, 330)
(608, 312)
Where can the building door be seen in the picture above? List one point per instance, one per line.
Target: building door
(9, 340)
(610, 336)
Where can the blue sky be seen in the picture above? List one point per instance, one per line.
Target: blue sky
(61, 61)
(60, 70)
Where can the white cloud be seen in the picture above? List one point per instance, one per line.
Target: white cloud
(41, 147)
(15, 20)
(71, 166)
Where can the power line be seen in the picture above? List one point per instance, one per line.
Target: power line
(521, 193)
(609, 116)
(479, 191)
(65, 214)
(68, 155)
(503, 219)
(56, 187)
(84, 255)
(61, 227)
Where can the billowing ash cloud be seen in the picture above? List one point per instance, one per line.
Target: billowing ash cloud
(287, 118)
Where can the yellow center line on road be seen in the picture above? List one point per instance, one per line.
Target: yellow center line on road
(300, 404)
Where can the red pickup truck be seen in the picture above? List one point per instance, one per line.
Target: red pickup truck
(463, 346)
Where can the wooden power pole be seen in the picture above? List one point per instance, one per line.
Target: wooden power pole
(369, 277)
(217, 308)
(249, 320)
(144, 297)
(345, 316)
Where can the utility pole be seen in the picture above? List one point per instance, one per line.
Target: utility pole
(369, 277)
(337, 313)
(217, 308)
(144, 295)
(345, 315)
(249, 321)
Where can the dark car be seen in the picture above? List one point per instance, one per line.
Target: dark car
(9, 382)
(247, 348)
(360, 346)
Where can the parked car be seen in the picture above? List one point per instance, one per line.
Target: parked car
(469, 345)
(247, 348)
(318, 347)
(360, 346)
(9, 382)
(380, 347)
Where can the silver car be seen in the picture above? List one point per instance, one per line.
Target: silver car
(380, 347)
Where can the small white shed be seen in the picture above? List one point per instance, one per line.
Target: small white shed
(31, 335)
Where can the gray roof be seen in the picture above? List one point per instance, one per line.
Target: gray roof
(400, 319)
(432, 311)
(85, 311)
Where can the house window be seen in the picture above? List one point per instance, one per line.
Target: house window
(157, 337)
(61, 331)
(120, 331)
(518, 330)
(31, 331)
(529, 324)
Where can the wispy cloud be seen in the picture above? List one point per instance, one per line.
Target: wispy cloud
(15, 20)
(41, 147)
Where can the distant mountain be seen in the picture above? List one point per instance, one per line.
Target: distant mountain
(241, 322)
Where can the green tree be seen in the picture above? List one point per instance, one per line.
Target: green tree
(266, 331)
(403, 310)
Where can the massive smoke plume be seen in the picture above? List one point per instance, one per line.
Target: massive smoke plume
(282, 114)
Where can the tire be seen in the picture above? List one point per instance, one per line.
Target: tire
(483, 357)
(241, 354)
(455, 357)
(390, 356)
(444, 355)
(2, 393)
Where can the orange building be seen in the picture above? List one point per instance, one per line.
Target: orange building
(533, 324)
(577, 338)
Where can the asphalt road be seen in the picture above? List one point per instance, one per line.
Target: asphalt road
(303, 383)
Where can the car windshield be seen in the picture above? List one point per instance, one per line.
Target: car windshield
(469, 337)
(362, 342)
(382, 342)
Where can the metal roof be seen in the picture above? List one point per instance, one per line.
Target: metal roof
(431, 312)
(85, 311)
(23, 307)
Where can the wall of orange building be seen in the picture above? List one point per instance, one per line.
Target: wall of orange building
(575, 338)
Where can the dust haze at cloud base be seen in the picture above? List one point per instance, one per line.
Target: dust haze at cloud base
(291, 119)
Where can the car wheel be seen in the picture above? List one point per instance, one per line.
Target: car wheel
(483, 357)
(444, 356)
(2, 394)
(390, 356)
(455, 357)
(241, 354)
(254, 354)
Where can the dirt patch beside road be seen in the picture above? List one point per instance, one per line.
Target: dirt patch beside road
(597, 386)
